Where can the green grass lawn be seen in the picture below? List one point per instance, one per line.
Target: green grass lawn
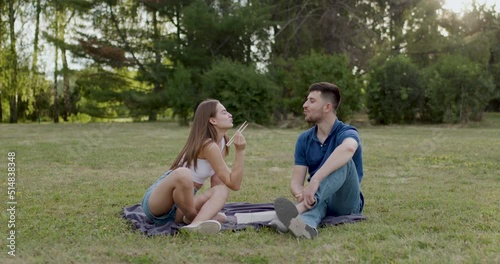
(432, 196)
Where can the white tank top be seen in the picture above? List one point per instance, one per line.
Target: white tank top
(204, 170)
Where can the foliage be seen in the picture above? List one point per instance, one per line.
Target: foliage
(480, 32)
(458, 90)
(167, 46)
(494, 104)
(181, 93)
(248, 95)
(423, 41)
(15, 83)
(102, 93)
(317, 67)
(395, 93)
(226, 30)
(278, 71)
(329, 27)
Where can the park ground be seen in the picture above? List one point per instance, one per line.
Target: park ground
(431, 196)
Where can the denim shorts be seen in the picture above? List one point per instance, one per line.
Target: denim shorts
(162, 219)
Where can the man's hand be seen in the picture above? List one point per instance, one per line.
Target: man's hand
(308, 193)
(299, 197)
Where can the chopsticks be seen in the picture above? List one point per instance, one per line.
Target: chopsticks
(242, 127)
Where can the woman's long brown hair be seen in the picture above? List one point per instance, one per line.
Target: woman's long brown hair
(202, 133)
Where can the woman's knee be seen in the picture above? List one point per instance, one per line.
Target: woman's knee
(182, 177)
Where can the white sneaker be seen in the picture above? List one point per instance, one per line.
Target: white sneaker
(209, 227)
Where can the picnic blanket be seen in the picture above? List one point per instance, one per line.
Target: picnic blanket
(138, 220)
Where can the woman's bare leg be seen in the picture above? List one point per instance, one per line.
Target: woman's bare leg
(210, 203)
(176, 188)
(221, 217)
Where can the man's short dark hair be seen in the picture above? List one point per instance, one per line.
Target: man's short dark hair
(329, 92)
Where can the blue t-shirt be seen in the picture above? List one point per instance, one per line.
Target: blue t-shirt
(311, 153)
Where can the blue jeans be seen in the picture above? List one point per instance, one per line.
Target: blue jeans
(338, 194)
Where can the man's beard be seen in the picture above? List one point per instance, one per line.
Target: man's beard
(312, 119)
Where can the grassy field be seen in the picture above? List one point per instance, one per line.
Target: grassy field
(432, 196)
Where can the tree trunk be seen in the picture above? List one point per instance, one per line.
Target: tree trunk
(66, 91)
(178, 24)
(56, 96)
(248, 39)
(34, 68)
(13, 109)
(13, 63)
(1, 57)
(66, 75)
(153, 114)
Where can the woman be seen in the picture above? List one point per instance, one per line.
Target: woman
(173, 196)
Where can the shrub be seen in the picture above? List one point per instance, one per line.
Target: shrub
(317, 67)
(247, 94)
(458, 90)
(395, 93)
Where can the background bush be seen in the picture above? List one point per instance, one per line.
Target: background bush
(395, 92)
(248, 95)
(458, 90)
(316, 67)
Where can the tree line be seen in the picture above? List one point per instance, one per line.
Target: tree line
(400, 61)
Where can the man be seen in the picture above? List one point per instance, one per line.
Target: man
(331, 153)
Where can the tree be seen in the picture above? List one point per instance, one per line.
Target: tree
(65, 69)
(2, 55)
(103, 93)
(13, 59)
(458, 90)
(182, 95)
(475, 34)
(330, 27)
(425, 40)
(167, 45)
(494, 104)
(13, 63)
(247, 94)
(229, 30)
(317, 67)
(133, 36)
(64, 14)
(395, 93)
(57, 29)
(34, 62)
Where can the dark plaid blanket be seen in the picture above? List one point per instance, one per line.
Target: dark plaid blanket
(138, 220)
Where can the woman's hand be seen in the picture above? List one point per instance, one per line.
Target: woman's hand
(239, 141)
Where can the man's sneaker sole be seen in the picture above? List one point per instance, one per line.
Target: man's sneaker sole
(287, 213)
(299, 228)
(285, 210)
